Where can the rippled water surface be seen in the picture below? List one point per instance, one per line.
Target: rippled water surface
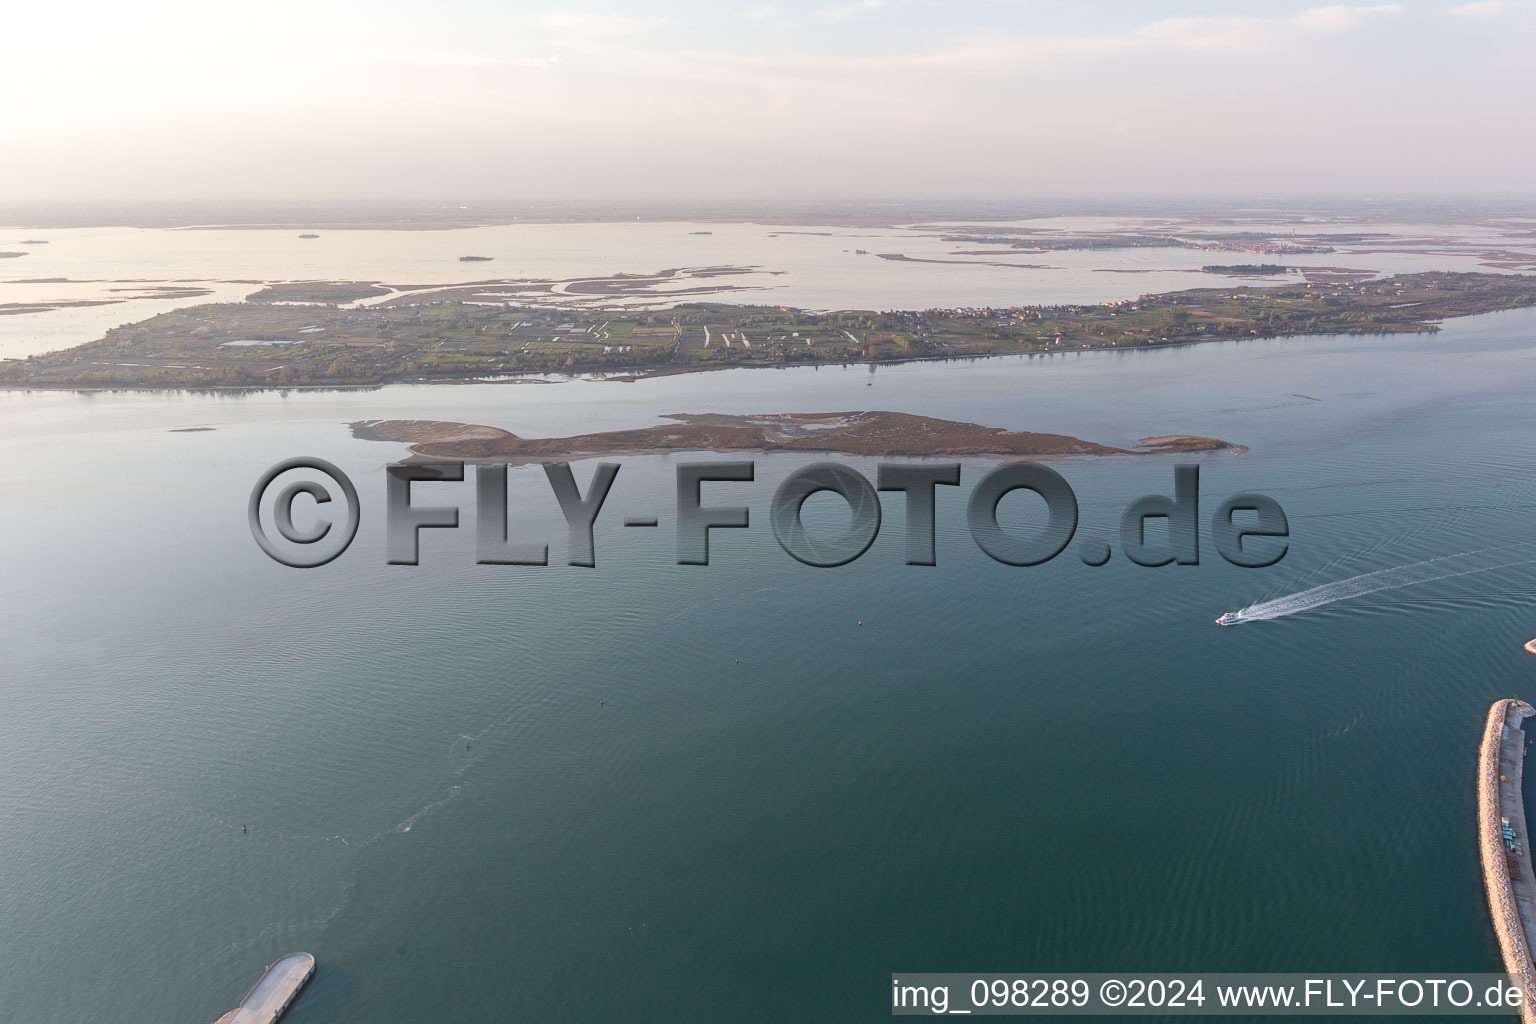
(481, 792)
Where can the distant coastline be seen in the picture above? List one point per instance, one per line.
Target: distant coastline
(461, 337)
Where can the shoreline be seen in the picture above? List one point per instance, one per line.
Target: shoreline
(199, 347)
(632, 375)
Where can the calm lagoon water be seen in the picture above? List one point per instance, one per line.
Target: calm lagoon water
(1054, 768)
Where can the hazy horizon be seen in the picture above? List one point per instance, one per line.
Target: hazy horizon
(970, 101)
(470, 212)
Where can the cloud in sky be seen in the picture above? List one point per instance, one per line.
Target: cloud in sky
(1337, 18)
(1499, 8)
(582, 32)
(1215, 34)
(851, 10)
(800, 97)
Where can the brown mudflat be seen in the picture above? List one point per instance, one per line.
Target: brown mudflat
(876, 433)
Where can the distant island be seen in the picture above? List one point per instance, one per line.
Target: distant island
(456, 340)
(875, 433)
(1056, 243)
(1045, 240)
(1248, 269)
(11, 255)
(318, 291)
(476, 259)
(309, 236)
(33, 241)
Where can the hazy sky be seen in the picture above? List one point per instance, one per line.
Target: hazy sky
(904, 98)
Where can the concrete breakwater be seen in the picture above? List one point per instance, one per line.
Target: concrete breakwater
(1508, 877)
(274, 993)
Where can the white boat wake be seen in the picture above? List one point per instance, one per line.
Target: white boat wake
(1426, 571)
